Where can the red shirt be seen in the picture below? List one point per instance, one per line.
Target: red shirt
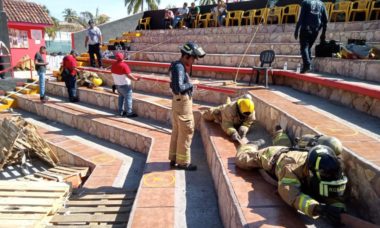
(120, 68)
(70, 63)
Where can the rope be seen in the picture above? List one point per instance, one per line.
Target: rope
(250, 42)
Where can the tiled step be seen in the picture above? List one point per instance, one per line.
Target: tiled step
(337, 26)
(360, 148)
(131, 134)
(276, 37)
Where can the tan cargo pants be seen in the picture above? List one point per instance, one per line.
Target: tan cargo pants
(182, 129)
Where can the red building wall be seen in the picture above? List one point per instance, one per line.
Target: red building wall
(18, 53)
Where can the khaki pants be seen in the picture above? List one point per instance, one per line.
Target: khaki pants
(182, 129)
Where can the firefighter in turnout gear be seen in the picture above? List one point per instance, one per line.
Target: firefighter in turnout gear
(311, 181)
(235, 117)
(89, 79)
(182, 113)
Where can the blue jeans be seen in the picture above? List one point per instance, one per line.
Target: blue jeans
(176, 20)
(41, 80)
(125, 98)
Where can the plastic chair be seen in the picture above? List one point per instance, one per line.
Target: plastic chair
(360, 6)
(341, 8)
(328, 6)
(260, 15)
(247, 17)
(266, 57)
(275, 12)
(145, 22)
(291, 10)
(374, 9)
(196, 21)
(234, 16)
(204, 19)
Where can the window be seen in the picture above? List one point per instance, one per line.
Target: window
(18, 38)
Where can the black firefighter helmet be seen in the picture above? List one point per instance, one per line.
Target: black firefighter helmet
(193, 49)
(326, 171)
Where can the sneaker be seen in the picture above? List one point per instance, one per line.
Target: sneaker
(188, 167)
(44, 99)
(123, 114)
(171, 27)
(131, 115)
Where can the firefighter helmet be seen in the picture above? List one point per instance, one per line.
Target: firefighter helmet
(326, 171)
(193, 49)
(96, 81)
(246, 106)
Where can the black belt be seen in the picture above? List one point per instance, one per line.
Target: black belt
(275, 158)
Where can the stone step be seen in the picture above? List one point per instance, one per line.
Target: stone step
(332, 26)
(102, 124)
(123, 167)
(154, 107)
(230, 48)
(361, 69)
(277, 37)
(354, 93)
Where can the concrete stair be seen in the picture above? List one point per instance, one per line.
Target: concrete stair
(332, 26)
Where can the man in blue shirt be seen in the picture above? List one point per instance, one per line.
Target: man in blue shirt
(312, 19)
(182, 113)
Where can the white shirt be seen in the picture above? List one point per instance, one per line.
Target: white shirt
(121, 79)
(94, 35)
(182, 11)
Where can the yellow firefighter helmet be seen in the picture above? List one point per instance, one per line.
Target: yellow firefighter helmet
(246, 106)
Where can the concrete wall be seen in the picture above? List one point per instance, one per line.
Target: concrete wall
(109, 30)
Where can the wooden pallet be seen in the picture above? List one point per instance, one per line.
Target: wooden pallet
(60, 173)
(95, 209)
(30, 204)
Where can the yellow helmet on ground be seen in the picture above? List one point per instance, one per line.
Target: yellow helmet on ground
(97, 81)
(246, 106)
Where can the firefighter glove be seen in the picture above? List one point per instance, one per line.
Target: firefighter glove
(331, 213)
(235, 137)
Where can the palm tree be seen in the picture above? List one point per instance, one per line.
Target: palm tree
(134, 5)
(52, 31)
(69, 15)
(207, 2)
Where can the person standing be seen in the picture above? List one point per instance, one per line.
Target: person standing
(69, 75)
(93, 40)
(312, 19)
(182, 113)
(40, 63)
(121, 74)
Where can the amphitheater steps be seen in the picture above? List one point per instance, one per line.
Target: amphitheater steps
(276, 37)
(155, 138)
(337, 26)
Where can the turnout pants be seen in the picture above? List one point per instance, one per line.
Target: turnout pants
(94, 49)
(307, 39)
(182, 129)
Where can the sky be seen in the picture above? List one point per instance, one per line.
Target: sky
(113, 8)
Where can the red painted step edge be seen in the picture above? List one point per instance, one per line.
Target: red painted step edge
(367, 91)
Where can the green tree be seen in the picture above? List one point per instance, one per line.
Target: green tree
(69, 15)
(52, 30)
(133, 6)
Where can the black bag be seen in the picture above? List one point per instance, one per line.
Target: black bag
(327, 48)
